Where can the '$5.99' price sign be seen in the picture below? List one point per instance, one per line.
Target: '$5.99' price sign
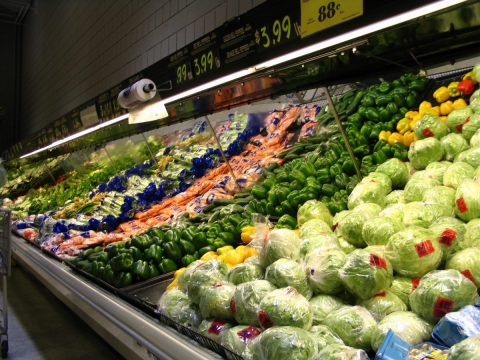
(318, 15)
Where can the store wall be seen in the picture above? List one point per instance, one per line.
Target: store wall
(74, 50)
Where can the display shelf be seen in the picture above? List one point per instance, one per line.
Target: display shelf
(134, 334)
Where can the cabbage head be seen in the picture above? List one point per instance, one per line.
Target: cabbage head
(246, 298)
(405, 324)
(395, 197)
(466, 349)
(441, 195)
(415, 189)
(214, 329)
(281, 243)
(286, 272)
(322, 267)
(378, 230)
(467, 262)
(342, 352)
(366, 274)
(457, 119)
(313, 209)
(394, 211)
(215, 301)
(324, 336)
(457, 173)
(282, 342)
(430, 126)
(369, 208)
(467, 200)
(450, 233)
(354, 325)
(175, 304)
(434, 171)
(403, 287)
(380, 178)
(421, 214)
(423, 152)
(345, 246)
(184, 277)
(396, 170)
(475, 140)
(469, 129)
(470, 156)
(413, 252)
(441, 292)
(205, 275)
(244, 272)
(325, 241)
(314, 227)
(472, 234)
(475, 103)
(237, 338)
(452, 145)
(322, 305)
(371, 192)
(350, 227)
(382, 304)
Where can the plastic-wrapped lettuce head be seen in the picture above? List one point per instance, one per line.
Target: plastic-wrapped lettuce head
(466, 349)
(472, 234)
(322, 305)
(413, 252)
(450, 233)
(366, 274)
(457, 173)
(340, 352)
(345, 246)
(244, 272)
(313, 209)
(354, 325)
(421, 214)
(441, 292)
(338, 216)
(469, 129)
(282, 342)
(214, 329)
(467, 261)
(382, 304)
(395, 197)
(423, 152)
(394, 211)
(175, 304)
(246, 298)
(205, 275)
(184, 277)
(470, 156)
(430, 126)
(467, 200)
(285, 307)
(324, 336)
(457, 118)
(441, 195)
(411, 169)
(475, 140)
(434, 171)
(396, 170)
(371, 192)
(325, 241)
(378, 230)
(322, 267)
(350, 227)
(415, 189)
(406, 325)
(286, 272)
(215, 301)
(377, 250)
(403, 287)
(237, 337)
(381, 178)
(252, 260)
(280, 244)
(314, 227)
(452, 145)
(369, 208)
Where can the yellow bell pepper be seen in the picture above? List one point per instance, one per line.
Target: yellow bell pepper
(403, 126)
(452, 89)
(224, 249)
(408, 138)
(411, 114)
(173, 285)
(254, 252)
(441, 94)
(242, 249)
(413, 123)
(247, 233)
(459, 103)
(209, 256)
(424, 106)
(446, 107)
(444, 119)
(469, 76)
(384, 135)
(221, 257)
(417, 118)
(394, 138)
(434, 111)
(234, 257)
(177, 273)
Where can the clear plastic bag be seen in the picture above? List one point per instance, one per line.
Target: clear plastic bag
(342, 352)
(205, 275)
(382, 304)
(215, 301)
(322, 305)
(237, 338)
(286, 272)
(321, 266)
(214, 329)
(175, 304)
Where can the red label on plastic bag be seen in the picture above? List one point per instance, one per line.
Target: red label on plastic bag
(233, 307)
(264, 320)
(382, 294)
(459, 127)
(248, 333)
(427, 133)
(219, 284)
(415, 283)
(216, 327)
(447, 237)
(442, 306)
(335, 226)
(376, 260)
(469, 276)
(461, 205)
(424, 248)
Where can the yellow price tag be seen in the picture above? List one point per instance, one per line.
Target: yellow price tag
(317, 15)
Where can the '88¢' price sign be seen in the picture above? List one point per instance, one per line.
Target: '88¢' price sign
(317, 15)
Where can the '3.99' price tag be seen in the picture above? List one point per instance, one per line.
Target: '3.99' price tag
(318, 15)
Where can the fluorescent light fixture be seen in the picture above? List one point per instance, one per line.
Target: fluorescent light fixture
(77, 135)
(395, 20)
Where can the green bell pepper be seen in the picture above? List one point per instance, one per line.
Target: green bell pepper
(418, 84)
(269, 182)
(259, 192)
(172, 251)
(367, 160)
(153, 271)
(114, 249)
(295, 185)
(321, 163)
(397, 83)
(187, 260)
(362, 150)
(411, 99)
(329, 190)
(348, 167)
(172, 235)
(342, 180)
(188, 233)
(121, 262)
(307, 169)
(335, 170)
(287, 208)
(398, 100)
(187, 247)
(167, 266)
(136, 253)
(368, 100)
(282, 177)
(140, 269)
(122, 279)
(154, 253)
(297, 175)
(200, 240)
(376, 129)
(384, 87)
(292, 199)
(157, 232)
(287, 222)
(400, 154)
(392, 108)
(227, 237)
(372, 114)
(384, 114)
(366, 130)
(355, 120)
(206, 249)
(312, 183)
(379, 157)
(379, 145)
(383, 100)
(108, 274)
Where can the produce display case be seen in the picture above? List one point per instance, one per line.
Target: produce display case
(139, 333)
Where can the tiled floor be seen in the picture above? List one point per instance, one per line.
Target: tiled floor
(41, 327)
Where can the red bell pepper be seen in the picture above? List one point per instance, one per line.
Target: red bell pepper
(466, 87)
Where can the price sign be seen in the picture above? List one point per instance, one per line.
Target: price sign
(204, 55)
(278, 32)
(184, 73)
(317, 15)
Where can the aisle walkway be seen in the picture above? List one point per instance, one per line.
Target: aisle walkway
(42, 327)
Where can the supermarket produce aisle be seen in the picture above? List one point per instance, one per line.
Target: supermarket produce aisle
(41, 327)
